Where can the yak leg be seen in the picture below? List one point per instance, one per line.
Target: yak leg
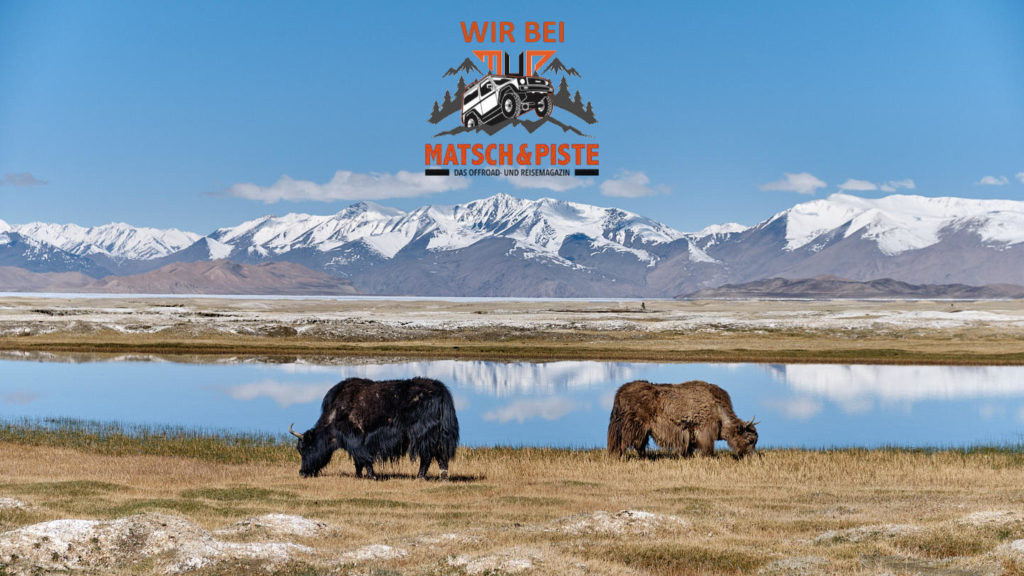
(641, 449)
(424, 466)
(369, 469)
(442, 462)
(686, 443)
(705, 442)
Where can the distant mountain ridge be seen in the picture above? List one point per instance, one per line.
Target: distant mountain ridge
(216, 277)
(508, 246)
(831, 288)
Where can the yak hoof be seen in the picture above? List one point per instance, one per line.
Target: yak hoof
(444, 474)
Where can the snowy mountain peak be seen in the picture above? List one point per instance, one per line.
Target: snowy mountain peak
(118, 241)
(900, 223)
(367, 207)
(727, 228)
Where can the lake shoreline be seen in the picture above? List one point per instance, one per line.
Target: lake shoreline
(871, 332)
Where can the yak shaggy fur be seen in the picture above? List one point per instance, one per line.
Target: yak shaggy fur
(681, 418)
(376, 421)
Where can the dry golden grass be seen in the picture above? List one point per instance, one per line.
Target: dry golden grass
(771, 515)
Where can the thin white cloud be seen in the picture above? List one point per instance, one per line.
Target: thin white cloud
(284, 395)
(346, 185)
(800, 408)
(1020, 177)
(992, 411)
(528, 409)
(631, 185)
(854, 185)
(802, 183)
(21, 180)
(553, 183)
(893, 185)
(859, 387)
(993, 181)
(461, 402)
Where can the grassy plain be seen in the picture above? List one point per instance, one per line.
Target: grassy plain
(537, 511)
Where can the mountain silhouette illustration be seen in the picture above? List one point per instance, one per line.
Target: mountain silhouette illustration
(556, 66)
(466, 66)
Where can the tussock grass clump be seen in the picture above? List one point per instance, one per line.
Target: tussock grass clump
(683, 559)
(952, 541)
(118, 439)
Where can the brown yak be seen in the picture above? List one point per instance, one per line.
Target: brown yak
(681, 418)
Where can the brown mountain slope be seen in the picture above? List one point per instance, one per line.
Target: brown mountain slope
(13, 279)
(205, 277)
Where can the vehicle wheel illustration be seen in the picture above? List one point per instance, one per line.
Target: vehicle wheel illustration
(471, 122)
(510, 105)
(543, 107)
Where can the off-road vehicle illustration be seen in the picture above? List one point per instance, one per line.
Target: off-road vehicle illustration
(494, 98)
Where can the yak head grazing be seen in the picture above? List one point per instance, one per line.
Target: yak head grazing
(313, 446)
(743, 440)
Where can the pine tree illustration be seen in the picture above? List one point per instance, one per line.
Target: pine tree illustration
(563, 88)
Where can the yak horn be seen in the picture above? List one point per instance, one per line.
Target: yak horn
(753, 422)
(293, 432)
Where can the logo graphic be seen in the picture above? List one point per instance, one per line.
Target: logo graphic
(493, 99)
(497, 99)
(503, 92)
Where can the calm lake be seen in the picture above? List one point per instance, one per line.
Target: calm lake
(563, 404)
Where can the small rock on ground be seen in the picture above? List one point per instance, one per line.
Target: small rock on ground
(374, 552)
(622, 522)
(510, 561)
(280, 525)
(12, 504)
(990, 518)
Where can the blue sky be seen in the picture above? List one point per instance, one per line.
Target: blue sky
(155, 113)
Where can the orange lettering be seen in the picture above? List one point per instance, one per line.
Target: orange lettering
(475, 31)
(433, 154)
(532, 35)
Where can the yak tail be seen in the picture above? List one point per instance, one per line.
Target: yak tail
(435, 433)
(616, 443)
(449, 426)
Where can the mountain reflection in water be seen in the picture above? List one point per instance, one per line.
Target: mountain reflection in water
(541, 404)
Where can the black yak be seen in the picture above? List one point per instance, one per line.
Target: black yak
(682, 418)
(377, 421)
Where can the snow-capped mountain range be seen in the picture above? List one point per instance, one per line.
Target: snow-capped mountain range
(506, 246)
(537, 228)
(118, 241)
